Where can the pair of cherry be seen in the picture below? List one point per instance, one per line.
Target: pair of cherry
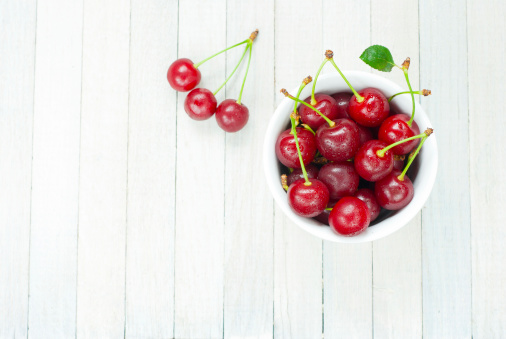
(343, 134)
(201, 104)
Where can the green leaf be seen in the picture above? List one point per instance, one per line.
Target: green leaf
(378, 57)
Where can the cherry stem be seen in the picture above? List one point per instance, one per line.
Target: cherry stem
(306, 81)
(427, 133)
(294, 132)
(250, 45)
(226, 49)
(308, 128)
(410, 122)
(313, 101)
(330, 122)
(328, 209)
(284, 182)
(231, 74)
(381, 152)
(358, 96)
(424, 92)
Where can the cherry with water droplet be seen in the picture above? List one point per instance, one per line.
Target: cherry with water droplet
(367, 196)
(183, 75)
(339, 142)
(340, 178)
(200, 104)
(286, 149)
(349, 216)
(396, 128)
(343, 104)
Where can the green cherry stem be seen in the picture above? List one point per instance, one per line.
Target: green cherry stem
(405, 67)
(330, 122)
(226, 49)
(427, 133)
(313, 101)
(294, 132)
(424, 92)
(250, 45)
(328, 209)
(308, 128)
(381, 152)
(304, 83)
(358, 96)
(235, 69)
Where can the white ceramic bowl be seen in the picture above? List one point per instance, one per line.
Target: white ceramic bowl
(423, 176)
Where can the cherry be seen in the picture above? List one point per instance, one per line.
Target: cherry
(323, 103)
(365, 134)
(370, 108)
(369, 164)
(339, 142)
(343, 104)
(312, 173)
(340, 178)
(286, 150)
(349, 217)
(231, 115)
(200, 104)
(396, 128)
(367, 196)
(183, 75)
(393, 193)
(324, 216)
(308, 200)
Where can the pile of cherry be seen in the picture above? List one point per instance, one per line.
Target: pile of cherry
(201, 104)
(348, 154)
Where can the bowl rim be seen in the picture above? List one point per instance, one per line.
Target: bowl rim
(395, 221)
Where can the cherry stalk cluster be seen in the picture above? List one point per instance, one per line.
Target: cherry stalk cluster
(201, 104)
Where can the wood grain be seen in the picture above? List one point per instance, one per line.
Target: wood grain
(397, 258)
(17, 58)
(446, 217)
(248, 284)
(486, 48)
(297, 255)
(151, 172)
(103, 175)
(347, 269)
(55, 173)
(199, 256)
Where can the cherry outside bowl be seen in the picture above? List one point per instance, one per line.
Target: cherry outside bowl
(424, 174)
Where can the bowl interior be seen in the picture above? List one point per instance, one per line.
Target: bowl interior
(423, 174)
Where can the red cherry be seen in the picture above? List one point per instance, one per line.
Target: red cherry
(312, 173)
(365, 134)
(370, 165)
(324, 216)
(308, 201)
(349, 217)
(325, 104)
(340, 178)
(286, 150)
(343, 104)
(367, 196)
(372, 111)
(392, 193)
(182, 75)
(231, 116)
(340, 142)
(395, 128)
(200, 104)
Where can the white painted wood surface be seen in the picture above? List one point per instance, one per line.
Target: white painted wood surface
(121, 217)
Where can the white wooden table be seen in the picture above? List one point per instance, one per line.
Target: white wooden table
(121, 217)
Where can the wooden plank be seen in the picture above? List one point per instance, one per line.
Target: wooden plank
(55, 173)
(200, 168)
(486, 48)
(103, 174)
(397, 274)
(297, 254)
(347, 269)
(17, 55)
(446, 219)
(151, 172)
(248, 293)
